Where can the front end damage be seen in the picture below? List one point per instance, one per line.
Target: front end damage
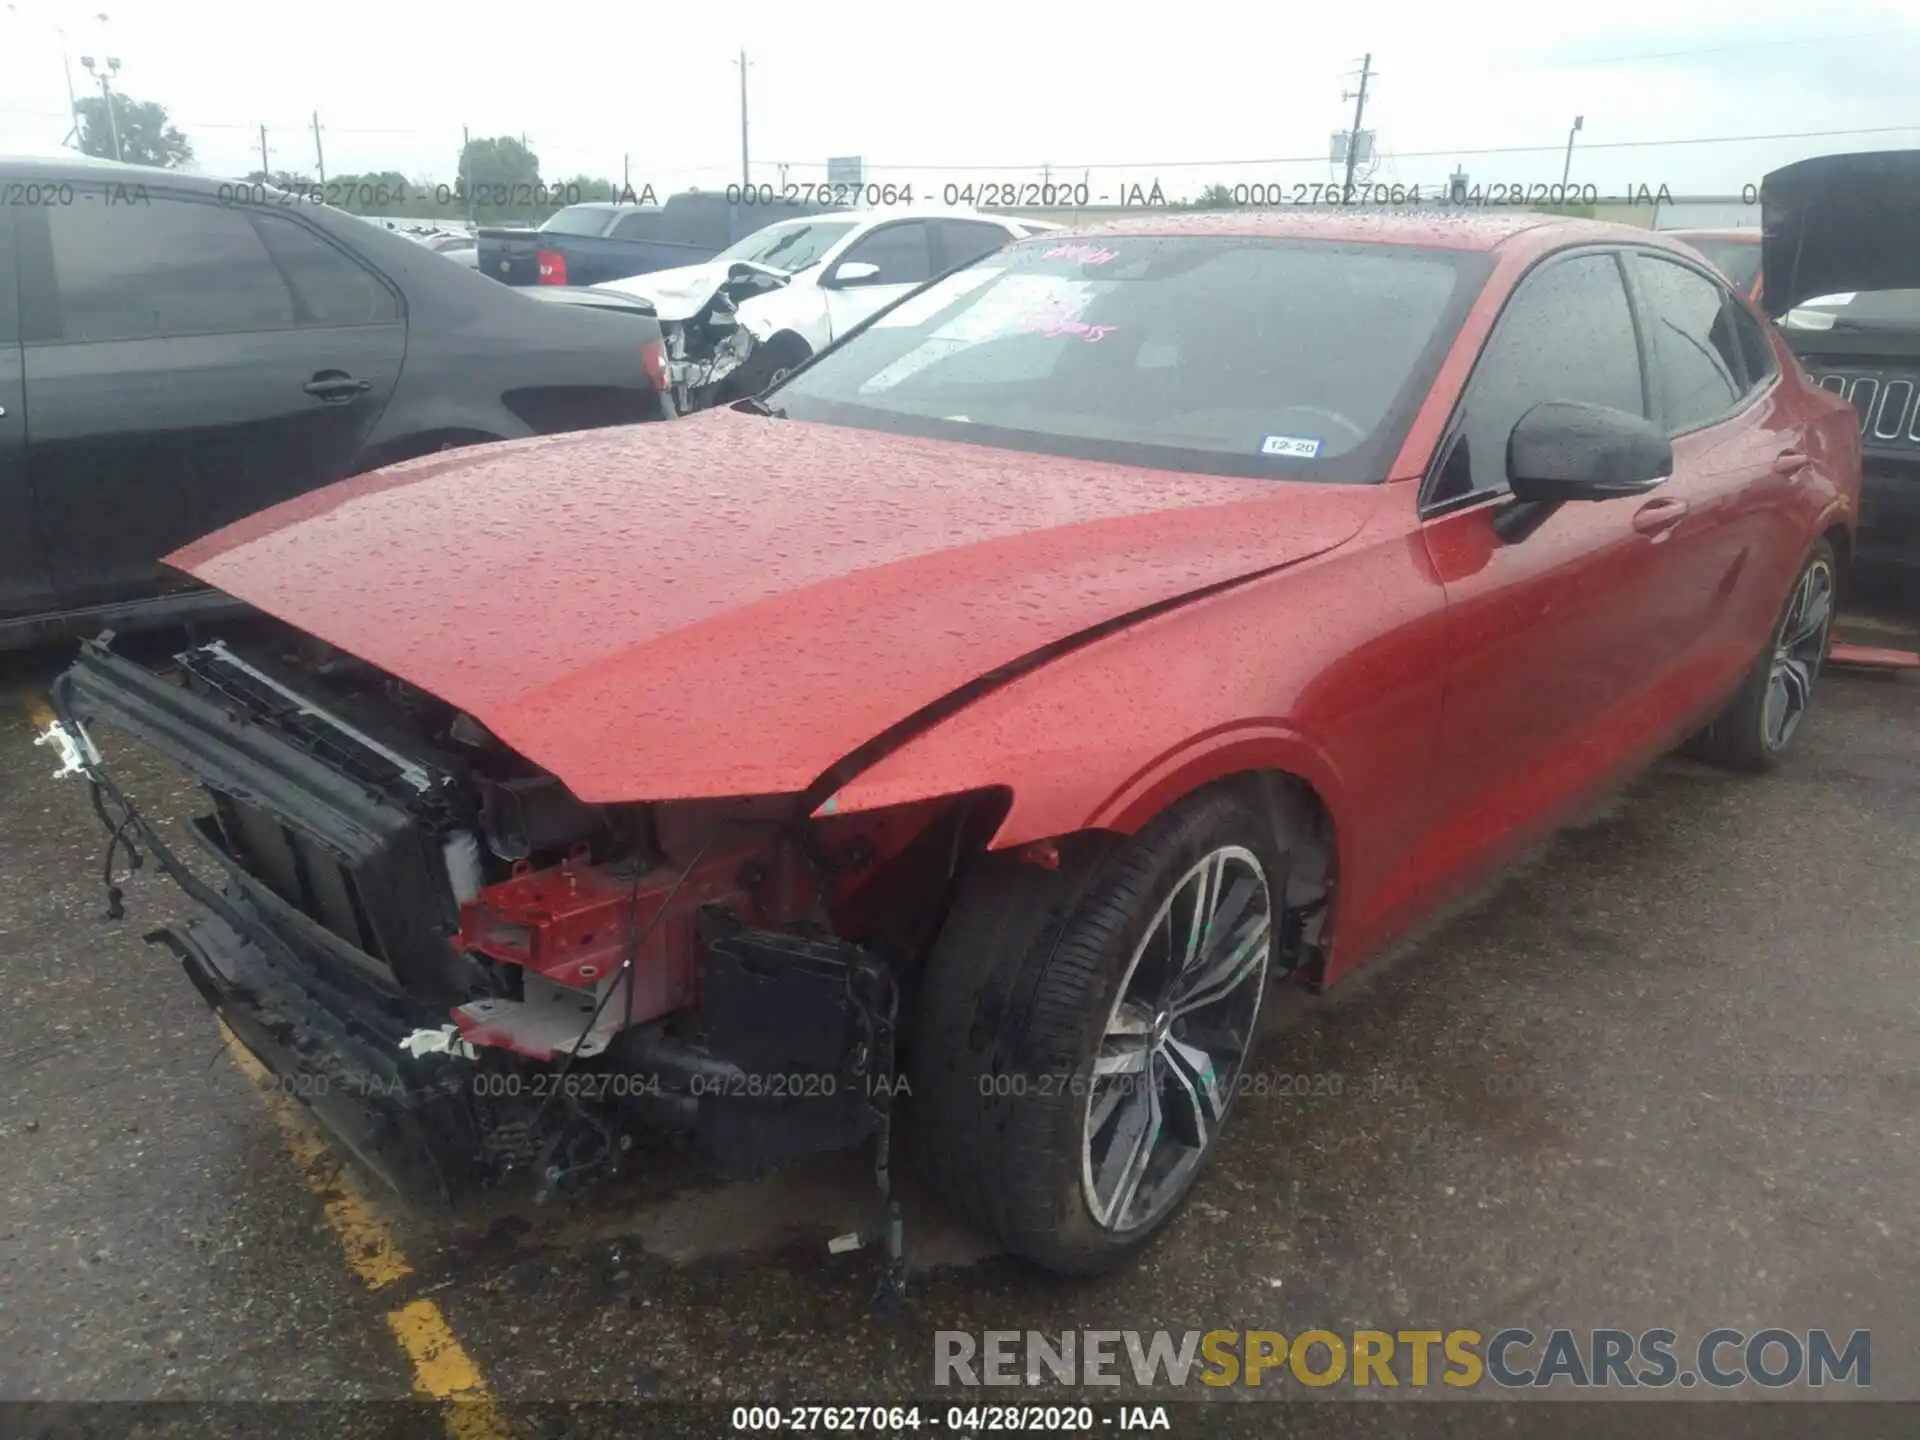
(707, 341)
(468, 973)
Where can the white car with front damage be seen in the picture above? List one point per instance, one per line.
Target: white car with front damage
(740, 321)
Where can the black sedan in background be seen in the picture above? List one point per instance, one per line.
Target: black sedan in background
(178, 352)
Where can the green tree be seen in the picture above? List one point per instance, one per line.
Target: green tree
(497, 172)
(377, 192)
(146, 136)
(1214, 197)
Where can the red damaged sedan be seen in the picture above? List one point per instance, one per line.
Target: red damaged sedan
(952, 749)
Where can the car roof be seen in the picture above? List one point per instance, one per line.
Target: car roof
(1749, 236)
(67, 162)
(1433, 228)
(904, 212)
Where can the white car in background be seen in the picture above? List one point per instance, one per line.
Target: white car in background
(738, 322)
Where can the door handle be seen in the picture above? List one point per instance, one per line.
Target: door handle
(1656, 517)
(1791, 462)
(336, 389)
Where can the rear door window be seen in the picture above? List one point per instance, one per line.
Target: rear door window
(1756, 350)
(329, 287)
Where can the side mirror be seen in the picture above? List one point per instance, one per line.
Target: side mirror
(855, 272)
(1565, 450)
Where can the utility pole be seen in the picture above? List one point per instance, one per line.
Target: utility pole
(319, 155)
(265, 173)
(746, 177)
(1359, 98)
(1567, 169)
(466, 181)
(104, 76)
(73, 103)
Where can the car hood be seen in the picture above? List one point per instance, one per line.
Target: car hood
(729, 604)
(1840, 223)
(683, 292)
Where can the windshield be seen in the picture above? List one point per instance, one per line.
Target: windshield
(1866, 310)
(791, 246)
(579, 220)
(1223, 354)
(1738, 260)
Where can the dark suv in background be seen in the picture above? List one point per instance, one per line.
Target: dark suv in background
(1841, 275)
(178, 352)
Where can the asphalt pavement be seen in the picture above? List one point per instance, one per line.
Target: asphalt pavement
(1665, 1074)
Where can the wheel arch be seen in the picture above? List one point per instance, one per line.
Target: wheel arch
(1291, 784)
(1840, 536)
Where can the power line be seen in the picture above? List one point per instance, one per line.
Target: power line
(1451, 150)
(1441, 152)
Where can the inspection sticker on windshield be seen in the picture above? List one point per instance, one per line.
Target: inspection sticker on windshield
(1295, 446)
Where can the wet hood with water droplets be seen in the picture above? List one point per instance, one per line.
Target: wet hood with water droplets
(727, 605)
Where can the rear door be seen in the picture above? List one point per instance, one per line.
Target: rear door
(903, 249)
(1549, 666)
(188, 363)
(1738, 455)
(24, 588)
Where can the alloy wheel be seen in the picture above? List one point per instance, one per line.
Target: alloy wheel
(1173, 1045)
(1797, 653)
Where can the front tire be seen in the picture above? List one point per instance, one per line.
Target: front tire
(1081, 1033)
(1764, 715)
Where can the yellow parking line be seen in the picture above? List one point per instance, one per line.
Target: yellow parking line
(371, 1251)
(442, 1370)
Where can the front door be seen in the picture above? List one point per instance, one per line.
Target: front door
(187, 363)
(1548, 663)
(903, 251)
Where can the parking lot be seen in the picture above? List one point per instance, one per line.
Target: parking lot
(1668, 1074)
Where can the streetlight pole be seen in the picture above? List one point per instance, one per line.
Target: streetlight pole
(746, 177)
(1567, 169)
(104, 76)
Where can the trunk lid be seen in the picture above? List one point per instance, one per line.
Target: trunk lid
(1840, 223)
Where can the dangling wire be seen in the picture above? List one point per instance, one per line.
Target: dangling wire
(118, 835)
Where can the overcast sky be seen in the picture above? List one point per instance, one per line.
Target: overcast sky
(996, 90)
